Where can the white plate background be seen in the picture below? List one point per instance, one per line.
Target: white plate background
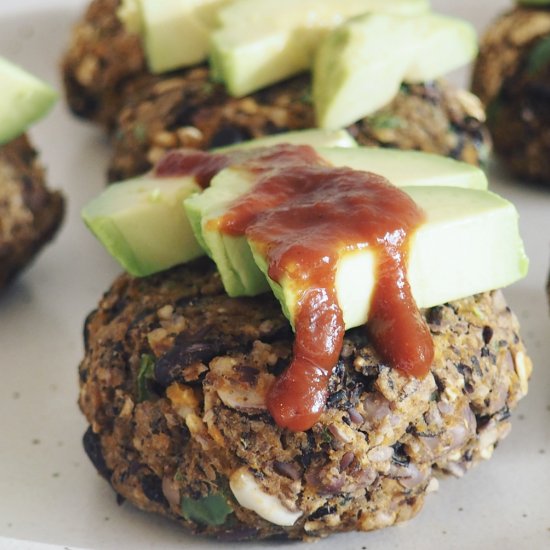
(50, 493)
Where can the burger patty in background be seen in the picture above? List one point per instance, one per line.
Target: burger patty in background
(106, 80)
(512, 78)
(30, 213)
(173, 385)
(188, 111)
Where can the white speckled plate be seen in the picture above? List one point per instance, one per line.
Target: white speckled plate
(49, 492)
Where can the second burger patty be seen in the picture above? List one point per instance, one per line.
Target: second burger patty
(106, 80)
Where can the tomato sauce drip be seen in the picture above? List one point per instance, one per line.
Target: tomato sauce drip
(303, 214)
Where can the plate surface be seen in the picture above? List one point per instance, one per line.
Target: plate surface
(50, 494)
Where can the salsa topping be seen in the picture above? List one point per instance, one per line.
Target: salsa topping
(304, 215)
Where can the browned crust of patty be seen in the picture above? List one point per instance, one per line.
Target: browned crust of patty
(368, 462)
(503, 46)
(30, 214)
(102, 65)
(517, 98)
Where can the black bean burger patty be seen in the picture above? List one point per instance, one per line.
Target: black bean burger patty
(173, 384)
(106, 80)
(512, 78)
(187, 110)
(30, 213)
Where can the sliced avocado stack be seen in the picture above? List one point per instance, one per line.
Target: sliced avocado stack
(233, 256)
(131, 218)
(469, 243)
(25, 99)
(260, 43)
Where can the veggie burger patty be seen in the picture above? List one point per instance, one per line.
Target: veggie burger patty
(106, 80)
(30, 213)
(173, 384)
(512, 78)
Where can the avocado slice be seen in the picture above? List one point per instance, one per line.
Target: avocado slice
(260, 43)
(408, 168)
(445, 44)
(227, 252)
(469, 243)
(232, 254)
(316, 137)
(360, 66)
(175, 33)
(25, 99)
(141, 223)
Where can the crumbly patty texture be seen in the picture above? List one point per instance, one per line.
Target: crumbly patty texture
(187, 110)
(106, 80)
(30, 213)
(512, 78)
(173, 384)
(102, 65)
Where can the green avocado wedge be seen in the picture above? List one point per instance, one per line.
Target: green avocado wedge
(468, 244)
(233, 256)
(360, 66)
(260, 43)
(408, 168)
(175, 33)
(141, 224)
(25, 99)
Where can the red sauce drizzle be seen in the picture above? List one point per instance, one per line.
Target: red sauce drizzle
(188, 162)
(203, 166)
(303, 214)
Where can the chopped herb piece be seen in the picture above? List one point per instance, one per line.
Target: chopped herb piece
(145, 375)
(140, 132)
(326, 435)
(539, 56)
(307, 98)
(385, 120)
(208, 88)
(209, 510)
